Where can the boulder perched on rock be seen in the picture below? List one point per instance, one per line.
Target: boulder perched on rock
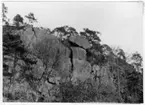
(80, 41)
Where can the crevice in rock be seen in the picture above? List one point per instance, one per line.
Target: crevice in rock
(75, 45)
(71, 58)
(70, 44)
(67, 44)
(34, 32)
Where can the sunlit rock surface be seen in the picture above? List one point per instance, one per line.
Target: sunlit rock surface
(79, 53)
(82, 70)
(32, 35)
(38, 69)
(80, 41)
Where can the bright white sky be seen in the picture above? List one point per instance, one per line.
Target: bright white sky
(121, 23)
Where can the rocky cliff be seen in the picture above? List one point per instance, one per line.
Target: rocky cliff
(61, 56)
(73, 62)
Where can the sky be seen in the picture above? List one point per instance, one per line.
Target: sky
(120, 23)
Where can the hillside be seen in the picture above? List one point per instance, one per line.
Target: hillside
(63, 65)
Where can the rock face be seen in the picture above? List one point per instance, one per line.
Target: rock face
(49, 62)
(64, 63)
(82, 70)
(79, 53)
(28, 37)
(32, 35)
(80, 41)
(36, 38)
(38, 69)
(104, 75)
(65, 68)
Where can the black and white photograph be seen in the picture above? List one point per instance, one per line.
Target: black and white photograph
(72, 51)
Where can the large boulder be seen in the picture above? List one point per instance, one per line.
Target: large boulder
(80, 41)
(79, 53)
(82, 70)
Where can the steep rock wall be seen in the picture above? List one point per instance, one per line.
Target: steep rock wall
(73, 60)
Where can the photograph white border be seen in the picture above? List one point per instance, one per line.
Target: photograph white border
(1, 54)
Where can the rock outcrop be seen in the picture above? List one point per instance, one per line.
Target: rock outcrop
(39, 63)
(82, 69)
